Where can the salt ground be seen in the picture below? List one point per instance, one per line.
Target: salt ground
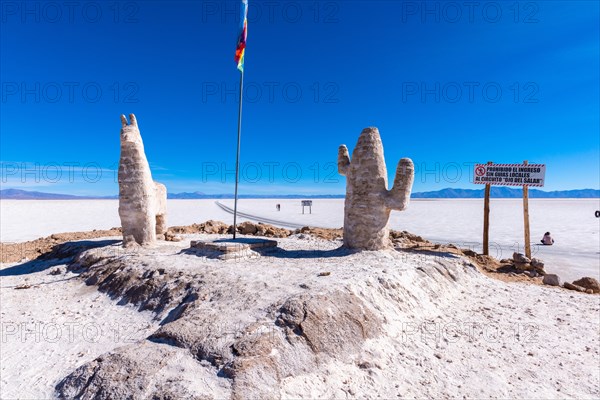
(459, 221)
(54, 326)
(442, 336)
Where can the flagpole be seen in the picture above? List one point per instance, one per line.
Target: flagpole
(237, 159)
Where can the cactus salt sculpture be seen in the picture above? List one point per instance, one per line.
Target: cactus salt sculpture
(142, 202)
(368, 202)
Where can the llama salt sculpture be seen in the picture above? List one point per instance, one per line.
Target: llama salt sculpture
(142, 202)
(368, 201)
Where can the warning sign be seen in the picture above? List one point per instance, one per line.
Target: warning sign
(510, 174)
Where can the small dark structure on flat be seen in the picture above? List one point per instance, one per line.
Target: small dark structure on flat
(307, 203)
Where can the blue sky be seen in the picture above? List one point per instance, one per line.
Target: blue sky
(448, 84)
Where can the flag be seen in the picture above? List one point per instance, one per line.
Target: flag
(240, 50)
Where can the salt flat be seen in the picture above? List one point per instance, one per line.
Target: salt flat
(571, 221)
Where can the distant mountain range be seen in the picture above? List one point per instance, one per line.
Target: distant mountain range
(496, 192)
(16, 194)
(200, 195)
(507, 193)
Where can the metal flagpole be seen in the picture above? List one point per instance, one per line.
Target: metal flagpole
(237, 159)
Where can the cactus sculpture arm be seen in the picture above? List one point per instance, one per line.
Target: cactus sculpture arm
(399, 196)
(343, 160)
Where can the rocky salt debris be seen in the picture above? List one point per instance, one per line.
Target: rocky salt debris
(406, 239)
(538, 265)
(368, 201)
(220, 228)
(551, 279)
(48, 247)
(52, 247)
(321, 233)
(523, 263)
(589, 284)
(58, 271)
(210, 227)
(577, 288)
(142, 202)
(585, 285)
(504, 269)
(56, 246)
(171, 237)
(250, 228)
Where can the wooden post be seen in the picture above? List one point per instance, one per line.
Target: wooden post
(486, 219)
(526, 218)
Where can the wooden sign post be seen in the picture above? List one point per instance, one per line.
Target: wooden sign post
(524, 175)
(526, 218)
(486, 218)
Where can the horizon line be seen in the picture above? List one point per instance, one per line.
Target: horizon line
(270, 195)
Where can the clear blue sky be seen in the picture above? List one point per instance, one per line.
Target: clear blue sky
(448, 85)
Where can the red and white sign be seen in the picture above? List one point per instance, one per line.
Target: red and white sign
(510, 174)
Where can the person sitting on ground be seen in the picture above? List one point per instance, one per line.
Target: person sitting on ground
(547, 240)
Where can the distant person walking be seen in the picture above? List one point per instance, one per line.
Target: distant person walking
(547, 240)
(278, 207)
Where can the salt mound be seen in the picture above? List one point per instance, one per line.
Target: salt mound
(312, 320)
